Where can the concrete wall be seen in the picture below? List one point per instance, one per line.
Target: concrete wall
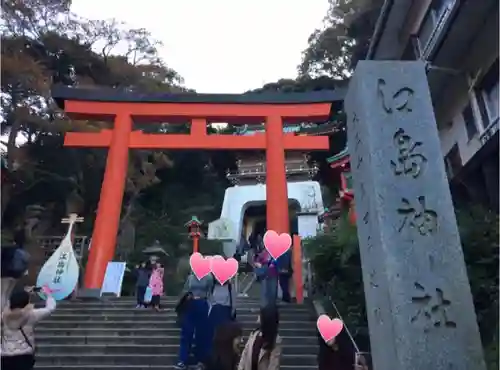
(470, 44)
(457, 134)
(238, 198)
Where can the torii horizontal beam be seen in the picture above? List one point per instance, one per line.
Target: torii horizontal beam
(104, 104)
(140, 140)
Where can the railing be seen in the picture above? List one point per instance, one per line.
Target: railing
(489, 131)
(244, 278)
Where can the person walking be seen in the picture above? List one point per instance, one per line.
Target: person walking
(142, 276)
(222, 306)
(195, 326)
(18, 322)
(156, 285)
(266, 274)
(263, 348)
(226, 347)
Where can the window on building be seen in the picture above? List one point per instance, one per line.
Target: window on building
(487, 93)
(433, 23)
(410, 50)
(453, 162)
(470, 124)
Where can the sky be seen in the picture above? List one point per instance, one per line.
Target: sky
(221, 46)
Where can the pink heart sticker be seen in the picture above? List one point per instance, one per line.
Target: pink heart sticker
(200, 265)
(328, 328)
(276, 244)
(222, 269)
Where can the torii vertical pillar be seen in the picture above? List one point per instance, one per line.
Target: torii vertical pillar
(277, 213)
(110, 203)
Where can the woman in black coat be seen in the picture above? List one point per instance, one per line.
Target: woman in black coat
(226, 347)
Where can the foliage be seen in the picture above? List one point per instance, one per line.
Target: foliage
(334, 50)
(42, 44)
(337, 267)
(335, 260)
(479, 234)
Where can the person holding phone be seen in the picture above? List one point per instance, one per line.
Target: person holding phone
(337, 353)
(18, 322)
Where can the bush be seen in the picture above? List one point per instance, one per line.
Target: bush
(336, 263)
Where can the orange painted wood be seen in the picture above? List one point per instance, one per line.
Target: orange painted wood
(277, 214)
(139, 140)
(110, 205)
(100, 110)
(199, 128)
(195, 244)
(297, 269)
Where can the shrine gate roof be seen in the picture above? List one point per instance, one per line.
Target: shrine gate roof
(61, 93)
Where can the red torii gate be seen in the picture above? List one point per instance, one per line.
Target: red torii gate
(124, 108)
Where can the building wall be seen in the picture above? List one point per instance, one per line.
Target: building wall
(450, 22)
(460, 41)
(238, 199)
(456, 133)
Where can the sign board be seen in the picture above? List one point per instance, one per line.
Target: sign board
(113, 278)
(221, 229)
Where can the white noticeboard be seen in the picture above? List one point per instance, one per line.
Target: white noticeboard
(113, 278)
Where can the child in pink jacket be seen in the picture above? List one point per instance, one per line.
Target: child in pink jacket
(156, 285)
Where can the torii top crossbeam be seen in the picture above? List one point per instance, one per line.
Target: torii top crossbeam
(124, 108)
(106, 104)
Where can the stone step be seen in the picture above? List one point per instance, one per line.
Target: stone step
(309, 330)
(149, 315)
(142, 359)
(169, 304)
(158, 324)
(143, 367)
(113, 334)
(144, 349)
(132, 300)
(55, 340)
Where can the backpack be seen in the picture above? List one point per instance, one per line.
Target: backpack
(15, 262)
(181, 306)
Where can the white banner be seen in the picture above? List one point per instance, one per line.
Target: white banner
(113, 278)
(60, 272)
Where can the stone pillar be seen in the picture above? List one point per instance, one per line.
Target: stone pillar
(307, 224)
(418, 298)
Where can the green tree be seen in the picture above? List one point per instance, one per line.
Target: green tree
(337, 266)
(334, 49)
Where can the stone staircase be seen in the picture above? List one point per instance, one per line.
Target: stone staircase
(114, 335)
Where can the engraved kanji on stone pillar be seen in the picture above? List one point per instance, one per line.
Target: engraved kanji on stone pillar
(418, 298)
